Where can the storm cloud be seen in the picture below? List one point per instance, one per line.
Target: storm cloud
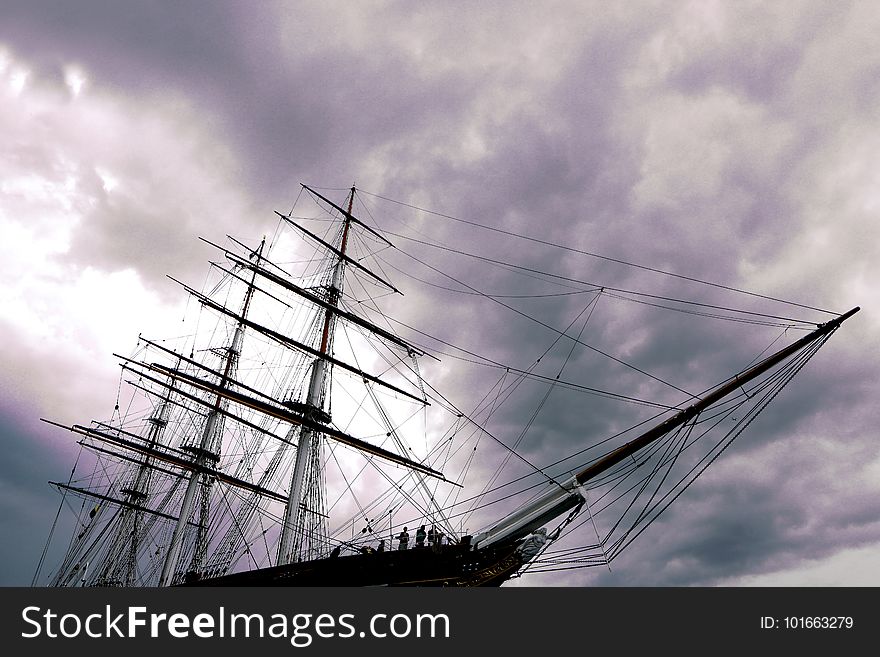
(729, 142)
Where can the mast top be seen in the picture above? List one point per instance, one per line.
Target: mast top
(837, 321)
(347, 213)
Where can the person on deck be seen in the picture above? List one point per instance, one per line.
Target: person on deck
(403, 537)
(420, 537)
(381, 547)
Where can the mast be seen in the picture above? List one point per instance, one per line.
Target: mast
(118, 566)
(137, 495)
(308, 444)
(204, 454)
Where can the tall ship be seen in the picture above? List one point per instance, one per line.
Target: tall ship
(287, 437)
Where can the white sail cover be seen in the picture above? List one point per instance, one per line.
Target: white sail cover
(532, 516)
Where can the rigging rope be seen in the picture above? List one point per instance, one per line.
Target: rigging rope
(599, 256)
(604, 286)
(554, 329)
(652, 510)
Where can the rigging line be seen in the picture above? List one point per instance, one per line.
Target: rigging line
(377, 501)
(318, 257)
(553, 570)
(506, 390)
(395, 486)
(665, 461)
(369, 303)
(398, 486)
(295, 202)
(568, 384)
(732, 434)
(333, 189)
(607, 287)
(570, 555)
(599, 256)
(486, 505)
(591, 306)
(549, 564)
(488, 362)
(348, 488)
(641, 484)
(419, 481)
(232, 515)
(528, 272)
(563, 554)
(624, 476)
(441, 397)
(595, 445)
(94, 547)
(601, 543)
(622, 542)
(594, 305)
(227, 563)
(373, 506)
(555, 330)
(398, 360)
(424, 512)
(621, 477)
(55, 522)
(494, 296)
(739, 320)
(268, 557)
(390, 429)
(392, 367)
(649, 419)
(768, 347)
(469, 461)
(73, 543)
(532, 474)
(522, 271)
(360, 237)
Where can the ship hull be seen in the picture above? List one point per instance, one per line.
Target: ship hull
(446, 566)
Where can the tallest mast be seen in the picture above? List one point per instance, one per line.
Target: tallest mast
(307, 446)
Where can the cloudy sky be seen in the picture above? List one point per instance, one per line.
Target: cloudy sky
(732, 142)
